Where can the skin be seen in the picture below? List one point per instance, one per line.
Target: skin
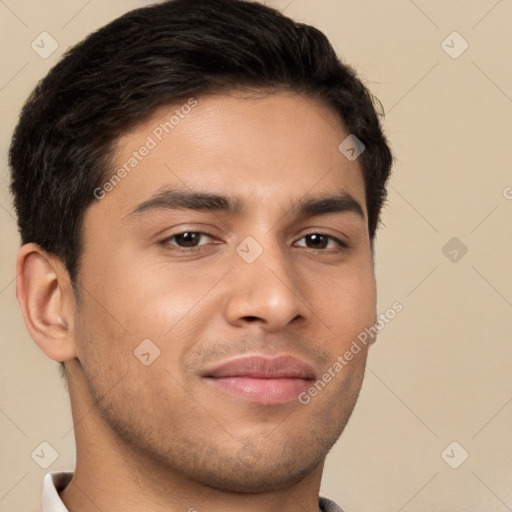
(159, 437)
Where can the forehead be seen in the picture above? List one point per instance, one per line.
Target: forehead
(261, 149)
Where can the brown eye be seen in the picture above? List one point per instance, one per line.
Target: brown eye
(321, 241)
(316, 241)
(187, 239)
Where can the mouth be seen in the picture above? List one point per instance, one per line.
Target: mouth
(262, 379)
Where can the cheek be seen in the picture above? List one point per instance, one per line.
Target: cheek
(142, 297)
(345, 301)
(169, 300)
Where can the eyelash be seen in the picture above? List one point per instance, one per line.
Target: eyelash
(341, 244)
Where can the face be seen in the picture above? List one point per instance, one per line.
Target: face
(235, 305)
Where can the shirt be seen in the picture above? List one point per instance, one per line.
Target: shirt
(56, 481)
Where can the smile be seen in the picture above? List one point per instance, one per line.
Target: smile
(262, 379)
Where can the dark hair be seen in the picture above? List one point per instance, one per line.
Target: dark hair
(62, 147)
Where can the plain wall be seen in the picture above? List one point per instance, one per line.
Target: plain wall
(441, 369)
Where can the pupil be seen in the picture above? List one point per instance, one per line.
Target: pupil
(318, 238)
(187, 239)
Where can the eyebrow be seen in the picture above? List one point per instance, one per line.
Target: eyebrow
(325, 204)
(171, 199)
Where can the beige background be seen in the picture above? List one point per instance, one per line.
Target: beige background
(441, 370)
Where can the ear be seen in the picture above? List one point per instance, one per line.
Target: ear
(47, 301)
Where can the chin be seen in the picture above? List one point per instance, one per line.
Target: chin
(254, 479)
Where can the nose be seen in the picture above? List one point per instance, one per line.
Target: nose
(266, 291)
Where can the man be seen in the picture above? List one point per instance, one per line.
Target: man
(198, 186)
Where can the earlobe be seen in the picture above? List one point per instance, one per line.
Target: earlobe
(47, 301)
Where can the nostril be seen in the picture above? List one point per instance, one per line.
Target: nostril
(251, 318)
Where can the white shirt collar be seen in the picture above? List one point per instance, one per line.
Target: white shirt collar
(52, 484)
(57, 480)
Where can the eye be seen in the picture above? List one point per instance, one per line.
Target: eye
(321, 241)
(187, 239)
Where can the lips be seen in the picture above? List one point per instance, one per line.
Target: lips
(262, 379)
